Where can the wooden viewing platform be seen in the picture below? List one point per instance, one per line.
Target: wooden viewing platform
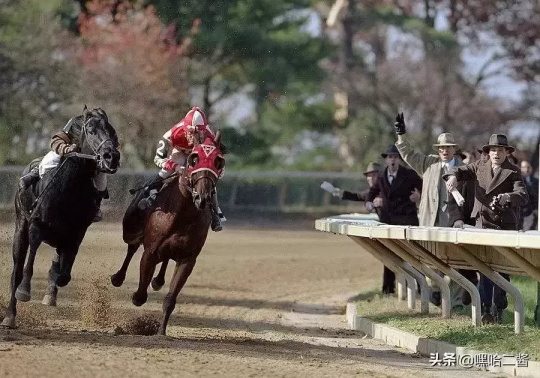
(413, 252)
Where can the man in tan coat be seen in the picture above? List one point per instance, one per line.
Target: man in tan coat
(433, 210)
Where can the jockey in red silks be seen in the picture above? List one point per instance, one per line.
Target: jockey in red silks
(171, 155)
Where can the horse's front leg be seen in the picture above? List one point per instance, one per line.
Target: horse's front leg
(23, 292)
(148, 266)
(49, 298)
(181, 274)
(20, 248)
(59, 273)
(118, 278)
(159, 280)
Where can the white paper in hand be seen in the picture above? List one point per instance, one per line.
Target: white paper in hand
(327, 186)
(458, 197)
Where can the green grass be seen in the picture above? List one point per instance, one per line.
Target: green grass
(458, 330)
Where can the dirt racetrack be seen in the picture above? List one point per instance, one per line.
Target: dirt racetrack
(260, 302)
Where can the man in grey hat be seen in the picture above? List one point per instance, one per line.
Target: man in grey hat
(434, 201)
(371, 173)
(433, 210)
(499, 194)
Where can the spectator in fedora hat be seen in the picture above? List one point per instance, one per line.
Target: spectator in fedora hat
(433, 210)
(394, 195)
(499, 194)
(371, 173)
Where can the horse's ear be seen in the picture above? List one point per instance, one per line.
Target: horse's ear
(218, 137)
(85, 111)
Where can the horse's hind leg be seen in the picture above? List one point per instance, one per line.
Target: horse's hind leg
(23, 292)
(181, 274)
(159, 280)
(118, 278)
(20, 248)
(148, 266)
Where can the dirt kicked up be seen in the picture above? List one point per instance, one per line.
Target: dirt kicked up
(258, 303)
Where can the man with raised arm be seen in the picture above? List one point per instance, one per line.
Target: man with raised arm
(433, 210)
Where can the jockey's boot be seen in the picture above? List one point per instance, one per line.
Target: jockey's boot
(150, 193)
(98, 215)
(217, 215)
(29, 179)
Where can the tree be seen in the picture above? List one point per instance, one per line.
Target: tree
(420, 73)
(259, 45)
(36, 80)
(134, 71)
(515, 23)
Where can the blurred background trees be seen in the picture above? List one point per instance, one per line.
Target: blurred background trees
(292, 84)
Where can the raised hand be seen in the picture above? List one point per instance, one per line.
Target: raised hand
(400, 124)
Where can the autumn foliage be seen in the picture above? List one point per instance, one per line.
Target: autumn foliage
(130, 61)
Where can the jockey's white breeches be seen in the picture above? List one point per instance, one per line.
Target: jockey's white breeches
(179, 157)
(49, 161)
(52, 159)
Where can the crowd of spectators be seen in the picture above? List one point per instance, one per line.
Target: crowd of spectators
(413, 188)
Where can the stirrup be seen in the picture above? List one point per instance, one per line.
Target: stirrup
(216, 223)
(149, 201)
(220, 215)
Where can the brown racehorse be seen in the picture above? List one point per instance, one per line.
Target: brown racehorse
(176, 228)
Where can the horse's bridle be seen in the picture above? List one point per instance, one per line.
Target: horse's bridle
(189, 183)
(95, 151)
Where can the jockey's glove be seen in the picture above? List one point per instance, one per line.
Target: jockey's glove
(400, 124)
(69, 148)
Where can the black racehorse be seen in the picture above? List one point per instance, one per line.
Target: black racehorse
(60, 207)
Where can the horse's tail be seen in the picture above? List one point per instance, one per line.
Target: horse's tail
(133, 225)
(134, 221)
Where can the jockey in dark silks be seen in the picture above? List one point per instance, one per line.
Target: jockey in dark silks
(171, 155)
(62, 143)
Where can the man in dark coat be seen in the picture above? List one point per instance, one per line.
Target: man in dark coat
(397, 191)
(499, 194)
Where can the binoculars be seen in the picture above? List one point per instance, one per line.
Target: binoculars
(496, 206)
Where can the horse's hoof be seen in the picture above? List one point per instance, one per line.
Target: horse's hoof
(22, 295)
(156, 284)
(117, 279)
(9, 323)
(49, 300)
(63, 280)
(138, 299)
